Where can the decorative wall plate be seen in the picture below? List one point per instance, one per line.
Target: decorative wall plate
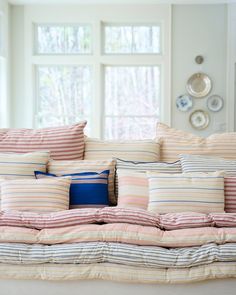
(199, 119)
(199, 85)
(184, 103)
(215, 103)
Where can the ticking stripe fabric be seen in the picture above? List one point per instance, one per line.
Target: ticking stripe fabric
(118, 272)
(22, 165)
(100, 252)
(43, 195)
(70, 167)
(88, 189)
(175, 142)
(132, 183)
(64, 143)
(135, 150)
(196, 192)
(196, 163)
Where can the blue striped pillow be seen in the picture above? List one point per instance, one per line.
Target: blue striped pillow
(88, 189)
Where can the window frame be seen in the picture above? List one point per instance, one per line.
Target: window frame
(96, 16)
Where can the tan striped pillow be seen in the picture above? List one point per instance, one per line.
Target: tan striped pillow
(175, 142)
(37, 195)
(135, 150)
(195, 192)
(22, 165)
(68, 167)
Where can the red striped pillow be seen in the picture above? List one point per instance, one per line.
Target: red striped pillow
(64, 143)
(230, 194)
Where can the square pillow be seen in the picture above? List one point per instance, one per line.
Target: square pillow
(43, 195)
(133, 150)
(196, 163)
(77, 166)
(132, 182)
(64, 143)
(22, 165)
(88, 189)
(175, 142)
(187, 192)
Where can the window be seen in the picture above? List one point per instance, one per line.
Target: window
(63, 39)
(64, 95)
(112, 74)
(132, 97)
(132, 39)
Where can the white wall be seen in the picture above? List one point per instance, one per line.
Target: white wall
(196, 29)
(4, 65)
(199, 29)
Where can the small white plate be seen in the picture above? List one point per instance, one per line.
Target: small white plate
(215, 103)
(199, 119)
(184, 103)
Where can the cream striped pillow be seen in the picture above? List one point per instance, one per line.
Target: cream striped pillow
(77, 166)
(22, 165)
(196, 192)
(38, 195)
(175, 142)
(135, 150)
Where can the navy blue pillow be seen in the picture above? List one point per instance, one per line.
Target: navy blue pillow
(88, 189)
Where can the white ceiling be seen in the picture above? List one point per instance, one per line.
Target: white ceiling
(32, 2)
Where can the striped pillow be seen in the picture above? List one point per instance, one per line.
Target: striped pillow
(197, 192)
(132, 183)
(193, 163)
(175, 142)
(64, 143)
(88, 189)
(68, 167)
(230, 194)
(135, 150)
(22, 165)
(43, 195)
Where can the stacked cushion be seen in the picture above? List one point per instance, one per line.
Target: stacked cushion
(22, 165)
(135, 150)
(132, 183)
(196, 163)
(88, 189)
(175, 142)
(197, 192)
(77, 166)
(44, 195)
(64, 143)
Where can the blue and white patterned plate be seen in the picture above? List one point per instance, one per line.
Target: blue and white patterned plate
(184, 103)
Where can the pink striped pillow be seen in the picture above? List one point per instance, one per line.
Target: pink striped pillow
(230, 194)
(64, 143)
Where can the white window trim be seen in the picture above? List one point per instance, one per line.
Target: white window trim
(151, 14)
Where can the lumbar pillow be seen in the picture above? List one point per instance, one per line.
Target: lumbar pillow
(175, 142)
(135, 150)
(22, 165)
(196, 163)
(88, 189)
(77, 166)
(43, 195)
(132, 182)
(64, 143)
(197, 192)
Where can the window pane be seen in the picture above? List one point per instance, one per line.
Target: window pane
(130, 128)
(64, 94)
(132, 39)
(56, 39)
(132, 91)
